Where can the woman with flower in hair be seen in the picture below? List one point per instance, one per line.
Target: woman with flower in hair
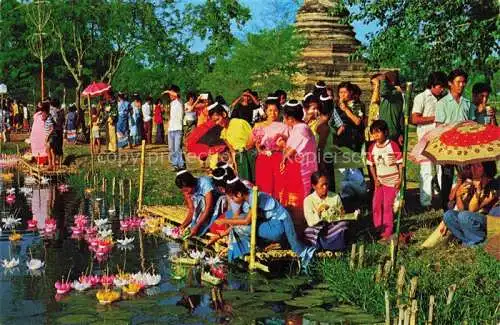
(298, 163)
(265, 137)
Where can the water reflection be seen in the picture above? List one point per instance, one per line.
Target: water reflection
(180, 298)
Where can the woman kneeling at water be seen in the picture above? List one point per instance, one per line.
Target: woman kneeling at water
(200, 196)
(274, 222)
(323, 211)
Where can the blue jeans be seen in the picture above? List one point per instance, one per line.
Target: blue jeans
(469, 227)
(174, 146)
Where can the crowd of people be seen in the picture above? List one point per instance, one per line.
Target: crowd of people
(306, 157)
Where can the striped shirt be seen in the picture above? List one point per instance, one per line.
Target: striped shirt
(386, 158)
(49, 125)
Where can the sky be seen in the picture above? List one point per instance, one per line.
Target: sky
(270, 13)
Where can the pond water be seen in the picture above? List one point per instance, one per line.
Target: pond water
(29, 297)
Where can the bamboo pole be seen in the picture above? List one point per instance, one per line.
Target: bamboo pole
(413, 287)
(451, 292)
(91, 139)
(141, 175)
(378, 274)
(387, 308)
(253, 233)
(353, 257)
(402, 190)
(400, 284)
(414, 310)
(431, 310)
(407, 316)
(113, 187)
(401, 315)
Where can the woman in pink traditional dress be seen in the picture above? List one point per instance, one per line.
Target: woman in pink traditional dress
(298, 163)
(265, 136)
(37, 136)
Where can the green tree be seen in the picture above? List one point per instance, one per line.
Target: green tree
(427, 35)
(264, 61)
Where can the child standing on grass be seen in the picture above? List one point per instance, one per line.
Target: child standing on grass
(96, 137)
(385, 163)
(50, 135)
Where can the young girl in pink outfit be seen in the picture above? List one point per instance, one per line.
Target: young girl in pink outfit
(385, 163)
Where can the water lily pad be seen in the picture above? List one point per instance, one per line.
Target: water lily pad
(318, 293)
(324, 316)
(116, 314)
(76, 319)
(322, 286)
(274, 296)
(194, 291)
(171, 310)
(304, 302)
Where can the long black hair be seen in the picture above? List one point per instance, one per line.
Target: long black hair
(294, 109)
(236, 187)
(185, 179)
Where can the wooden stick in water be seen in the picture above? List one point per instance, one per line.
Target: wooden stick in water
(353, 257)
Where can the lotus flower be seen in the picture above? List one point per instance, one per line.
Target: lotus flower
(132, 288)
(63, 188)
(35, 264)
(107, 280)
(151, 280)
(44, 180)
(125, 225)
(11, 191)
(11, 222)
(80, 286)
(32, 224)
(62, 287)
(14, 237)
(93, 242)
(101, 222)
(106, 297)
(197, 255)
(50, 225)
(126, 241)
(9, 264)
(91, 231)
(218, 272)
(77, 230)
(80, 220)
(105, 233)
(10, 199)
(91, 280)
(212, 260)
(27, 191)
(120, 281)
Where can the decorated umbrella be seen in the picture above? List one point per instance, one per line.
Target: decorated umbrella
(205, 140)
(96, 89)
(416, 154)
(465, 143)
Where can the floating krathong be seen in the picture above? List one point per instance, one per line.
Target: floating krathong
(197, 255)
(10, 264)
(126, 241)
(63, 188)
(107, 280)
(207, 277)
(10, 191)
(32, 224)
(62, 287)
(27, 191)
(106, 233)
(11, 222)
(121, 280)
(107, 297)
(50, 225)
(92, 280)
(10, 199)
(14, 237)
(101, 222)
(80, 286)
(34, 264)
(212, 260)
(132, 288)
(44, 180)
(80, 220)
(147, 279)
(29, 180)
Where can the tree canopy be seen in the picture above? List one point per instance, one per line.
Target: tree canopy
(428, 35)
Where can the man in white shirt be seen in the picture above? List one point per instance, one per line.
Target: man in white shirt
(147, 119)
(175, 127)
(423, 114)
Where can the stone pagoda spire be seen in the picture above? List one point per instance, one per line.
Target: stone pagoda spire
(330, 43)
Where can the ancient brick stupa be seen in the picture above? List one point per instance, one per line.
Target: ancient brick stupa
(330, 43)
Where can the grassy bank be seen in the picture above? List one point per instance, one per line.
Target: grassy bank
(474, 273)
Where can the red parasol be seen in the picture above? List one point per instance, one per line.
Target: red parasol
(465, 143)
(96, 89)
(205, 140)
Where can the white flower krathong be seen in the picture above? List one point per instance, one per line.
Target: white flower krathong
(11, 222)
(34, 264)
(10, 264)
